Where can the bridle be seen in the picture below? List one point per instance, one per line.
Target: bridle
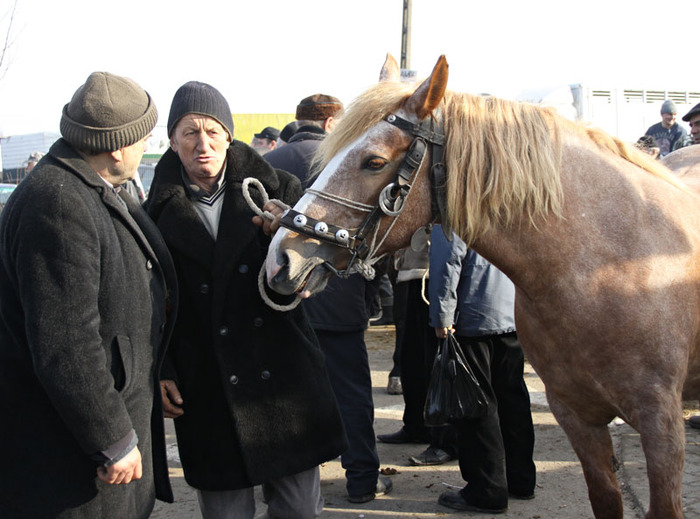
(391, 202)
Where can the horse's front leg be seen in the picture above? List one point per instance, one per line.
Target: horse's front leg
(662, 432)
(594, 448)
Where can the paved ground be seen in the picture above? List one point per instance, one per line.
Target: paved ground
(561, 490)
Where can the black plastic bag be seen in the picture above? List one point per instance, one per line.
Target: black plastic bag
(454, 393)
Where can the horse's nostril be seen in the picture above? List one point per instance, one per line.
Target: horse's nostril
(282, 274)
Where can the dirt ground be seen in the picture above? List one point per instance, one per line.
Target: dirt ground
(561, 491)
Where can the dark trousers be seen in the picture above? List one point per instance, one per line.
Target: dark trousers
(495, 452)
(418, 348)
(400, 326)
(349, 371)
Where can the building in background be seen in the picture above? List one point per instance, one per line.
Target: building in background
(624, 113)
(245, 125)
(15, 151)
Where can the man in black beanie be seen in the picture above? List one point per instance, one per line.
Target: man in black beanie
(246, 384)
(87, 301)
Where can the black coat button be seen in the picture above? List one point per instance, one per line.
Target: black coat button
(204, 288)
(233, 379)
(243, 269)
(265, 375)
(223, 331)
(258, 322)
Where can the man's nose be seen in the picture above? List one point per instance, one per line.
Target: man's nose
(202, 141)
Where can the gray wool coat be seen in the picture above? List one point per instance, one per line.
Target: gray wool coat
(87, 299)
(257, 399)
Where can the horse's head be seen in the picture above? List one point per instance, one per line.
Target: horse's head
(372, 193)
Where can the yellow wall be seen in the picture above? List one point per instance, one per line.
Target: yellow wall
(245, 125)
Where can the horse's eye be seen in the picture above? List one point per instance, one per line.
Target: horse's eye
(375, 163)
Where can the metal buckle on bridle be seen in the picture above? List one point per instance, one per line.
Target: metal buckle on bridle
(392, 199)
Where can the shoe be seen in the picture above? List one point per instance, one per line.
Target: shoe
(384, 486)
(386, 317)
(694, 422)
(431, 456)
(400, 437)
(455, 501)
(522, 497)
(394, 387)
(375, 317)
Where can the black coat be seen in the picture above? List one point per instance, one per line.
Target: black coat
(257, 399)
(296, 156)
(82, 332)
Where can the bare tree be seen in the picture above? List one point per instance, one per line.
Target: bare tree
(6, 26)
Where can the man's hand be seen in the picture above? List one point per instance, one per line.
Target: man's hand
(269, 227)
(172, 400)
(441, 333)
(123, 471)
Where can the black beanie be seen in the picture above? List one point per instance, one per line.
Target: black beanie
(199, 98)
(108, 113)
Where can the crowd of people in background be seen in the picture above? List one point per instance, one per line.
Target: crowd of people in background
(120, 307)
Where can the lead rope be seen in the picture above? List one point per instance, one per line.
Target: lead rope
(267, 216)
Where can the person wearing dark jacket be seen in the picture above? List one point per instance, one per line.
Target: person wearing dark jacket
(668, 134)
(246, 384)
(316, 115)
(88, 297)
(476, 301)
(339, 315)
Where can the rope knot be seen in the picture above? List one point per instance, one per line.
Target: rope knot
(257, 210)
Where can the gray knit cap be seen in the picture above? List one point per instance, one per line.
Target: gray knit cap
(669, 107)
(108, 113)
(199, 98)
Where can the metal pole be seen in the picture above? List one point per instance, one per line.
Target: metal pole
(406, 36)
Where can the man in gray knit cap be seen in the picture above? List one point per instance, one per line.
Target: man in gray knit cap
(87, 301)
(668, 134)
(246, 384)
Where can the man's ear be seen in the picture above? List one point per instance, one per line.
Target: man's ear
(329, 124)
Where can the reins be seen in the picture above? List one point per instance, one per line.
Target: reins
(267, 216)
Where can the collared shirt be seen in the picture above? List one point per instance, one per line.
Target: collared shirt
(208, 206)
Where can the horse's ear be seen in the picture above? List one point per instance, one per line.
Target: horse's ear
(428, 95)
(390, 70)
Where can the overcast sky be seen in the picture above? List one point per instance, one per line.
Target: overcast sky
(265, 56)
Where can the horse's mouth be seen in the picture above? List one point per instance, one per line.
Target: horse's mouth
(315, 281)
(310, 279)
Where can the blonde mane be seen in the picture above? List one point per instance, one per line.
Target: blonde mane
(503, 158)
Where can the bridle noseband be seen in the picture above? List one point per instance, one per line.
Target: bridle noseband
(391, 200)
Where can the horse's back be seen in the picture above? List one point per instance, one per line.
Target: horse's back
(685, 164)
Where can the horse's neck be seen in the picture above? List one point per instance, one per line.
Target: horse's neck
(593, 191)
(605, 199)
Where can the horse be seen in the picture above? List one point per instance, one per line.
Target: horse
(685, 164)
(601, 241)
